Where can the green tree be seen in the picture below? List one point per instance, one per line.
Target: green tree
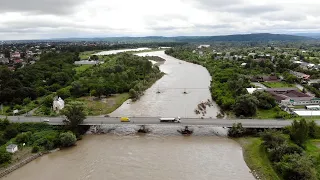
(314, 130)
(23, 137)
(266, 101)
(35, 149)
(4, 123)
(5, 157)
(64, 93)
(10, 132)
(236, 130)
(299, 132)
(133, 94)
(296, 167)
(246, 105)
(75, 114)
(67, 139)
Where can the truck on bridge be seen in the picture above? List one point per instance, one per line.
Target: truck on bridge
(172, 120)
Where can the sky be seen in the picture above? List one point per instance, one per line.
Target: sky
(44, 19)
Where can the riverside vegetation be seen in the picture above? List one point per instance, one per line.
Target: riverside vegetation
(56, 75)
(36, 137)
(292, 153)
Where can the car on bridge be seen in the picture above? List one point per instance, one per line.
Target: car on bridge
(171, 120)
(45, 120)
(125, 119)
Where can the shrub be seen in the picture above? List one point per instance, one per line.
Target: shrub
(23, 137)
(236, 130)
(10, 132)
(67, 139)
(5, 157)
(35, 149)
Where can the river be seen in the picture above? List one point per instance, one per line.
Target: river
(161, 154)
(179, 76)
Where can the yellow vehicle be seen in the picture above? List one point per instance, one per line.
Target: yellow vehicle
(124, 119)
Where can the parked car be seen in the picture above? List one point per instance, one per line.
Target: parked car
(46, 120)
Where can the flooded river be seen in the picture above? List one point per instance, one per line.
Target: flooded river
(125, 155)
(179, 76)
(162, 154)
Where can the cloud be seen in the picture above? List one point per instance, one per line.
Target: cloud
(40, 6)
(22, 19)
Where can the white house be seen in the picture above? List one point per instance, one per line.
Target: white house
(58, 104)
(12, 148)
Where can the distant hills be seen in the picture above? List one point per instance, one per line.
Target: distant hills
(196, 39)
(259, 37)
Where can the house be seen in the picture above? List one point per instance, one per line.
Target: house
(203, 46)
(12, 148)
(243, 64)
(300, 75)
(58, 104)
(2, 56)
(17, 61)
(292, 96)
(15, 55)
(270, 78)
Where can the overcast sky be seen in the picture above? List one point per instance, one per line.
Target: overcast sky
(38, 19)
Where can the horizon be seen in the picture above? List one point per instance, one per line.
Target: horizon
(51, 19)
(307, 35)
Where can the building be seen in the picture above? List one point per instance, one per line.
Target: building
(203, 46)
(12, 148)
(292, 96)
(300, 75)
(15, 55)
(58, 104)
(270, 78)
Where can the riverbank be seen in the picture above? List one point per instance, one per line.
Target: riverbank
(256, 158)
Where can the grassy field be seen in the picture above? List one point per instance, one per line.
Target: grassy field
(104, 105)
(86, 54)
(257, 159)
(266, 114)
(80, 69)
(277, 84)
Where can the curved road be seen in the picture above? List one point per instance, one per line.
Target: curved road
(249, 123)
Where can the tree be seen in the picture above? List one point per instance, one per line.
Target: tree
(48, 101)
(5, 157)
(314, 130)
(23, 137)
(296, 167)
(236, 130)
(10, 132)
(64, 93)
(246, 105)
(266, 101)
(75, 115)
(272, 139)
(133, 94)
(299, 132)
(67, 139)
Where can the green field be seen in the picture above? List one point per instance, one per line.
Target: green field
(80, 69)
(257, 158)
(104, 105)
(277, 84)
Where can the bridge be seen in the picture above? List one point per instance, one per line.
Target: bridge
(247, 123)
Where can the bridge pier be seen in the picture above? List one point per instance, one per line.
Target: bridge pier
(185, 131)
(143, 129)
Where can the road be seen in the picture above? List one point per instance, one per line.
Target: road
(248, 123)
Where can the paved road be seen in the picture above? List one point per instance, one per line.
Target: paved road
(252, 123)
